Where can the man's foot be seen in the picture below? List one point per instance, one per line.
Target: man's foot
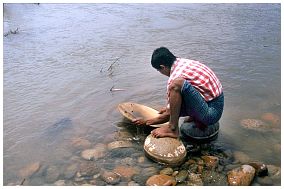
(164, 131)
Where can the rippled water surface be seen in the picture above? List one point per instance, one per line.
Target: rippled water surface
(58, 74)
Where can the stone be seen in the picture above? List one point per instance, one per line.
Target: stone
(241, 157)
(274, 172)
(255, 124)
(165, 150)
(211, 162)
(80, 143)
(29, 170)
(128, 161)
(119, 144)
(126, 171)
(271, 118)
(161, 180)
(52, 174)
(167, 171)
(149, 171)
(110, 177)
(213, 178)
(264, 181)
(133, 183)
(260, 168)
(194, 180)
(92, 154)
(181, 176)
(241, 176)
(70, 171)
(60, 183)
(141, 159)
(88, 168)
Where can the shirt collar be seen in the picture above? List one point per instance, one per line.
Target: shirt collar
(173, 67)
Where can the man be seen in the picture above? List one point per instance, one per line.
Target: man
(193, 90)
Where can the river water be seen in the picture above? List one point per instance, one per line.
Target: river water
(58, 74)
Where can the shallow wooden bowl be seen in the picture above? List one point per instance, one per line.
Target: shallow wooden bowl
(133, 111)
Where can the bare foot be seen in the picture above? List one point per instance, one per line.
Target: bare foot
(164, 131)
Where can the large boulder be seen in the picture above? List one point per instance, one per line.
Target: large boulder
(165, 150)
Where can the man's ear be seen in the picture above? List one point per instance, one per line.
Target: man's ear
(162, 67)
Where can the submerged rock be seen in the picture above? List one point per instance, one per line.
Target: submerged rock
(80, 143)
(255, 124)
(194, 180)
(211, 162)
(29, 170)
(241, 157)
(119, 144)
(271, 118)
(52, 174)
(126, 171)
(110, 177)
(167, 171)
(91, 154)
(88, 168)
(181, 176)
(161, 180)
(165, 150)
(241, 176)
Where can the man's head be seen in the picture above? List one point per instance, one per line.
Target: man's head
(162, 60)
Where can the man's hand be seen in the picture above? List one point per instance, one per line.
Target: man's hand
(163, 110)
(139, 121)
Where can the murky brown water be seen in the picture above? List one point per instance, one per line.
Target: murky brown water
(57, 83)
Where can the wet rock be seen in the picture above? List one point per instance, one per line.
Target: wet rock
(52, 174)
(133, 183)
(126, 171)
(88, 168)
(241, 176)
(181, 176)
(141, 159)
(161, 180)
(274, 172)
(92, 154)
(120, 153)
(264, 181)
(149, 171)
(29, 170)
(70, 171)
(123, 135)
(194, 180)
(80, 143)
(165, 150)
(167, 171)
(211, 162)
(110, 177)
(60, 183)
(271, 118)
(119, 144)
(277, 148)
(260, 168)
(213, 178)
(255, 124)
(128, 161)
(241, 157)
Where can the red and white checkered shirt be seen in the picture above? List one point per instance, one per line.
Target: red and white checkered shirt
(198, 75)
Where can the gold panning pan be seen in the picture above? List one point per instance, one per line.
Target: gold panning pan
(133, 111)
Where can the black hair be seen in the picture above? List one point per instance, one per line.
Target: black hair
(162, 56)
